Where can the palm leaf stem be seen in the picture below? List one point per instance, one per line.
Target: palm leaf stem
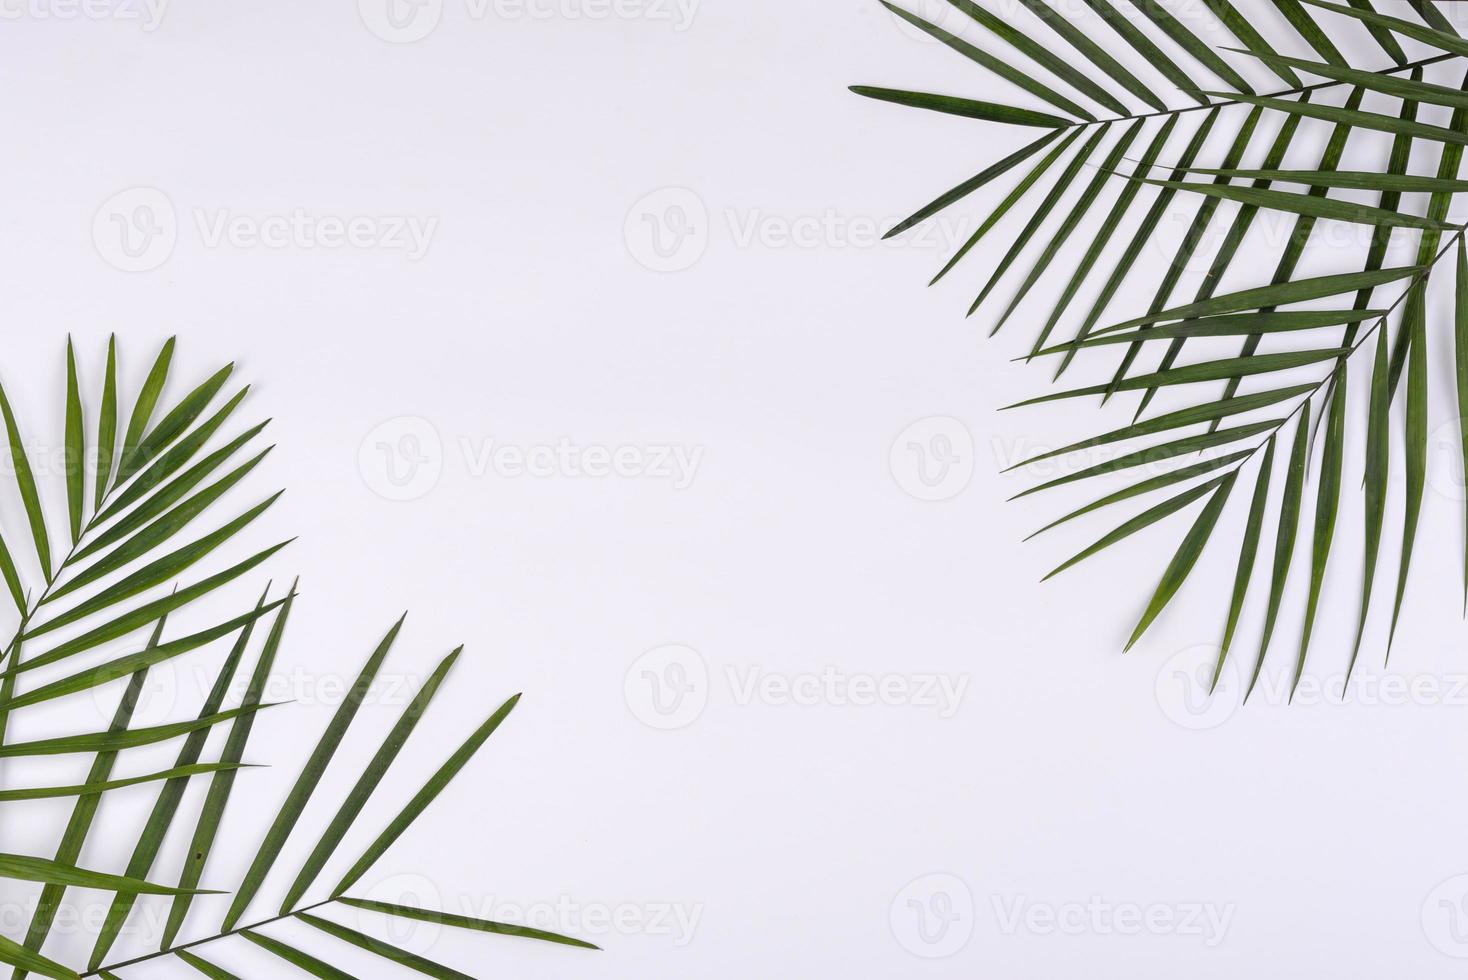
(113, 967)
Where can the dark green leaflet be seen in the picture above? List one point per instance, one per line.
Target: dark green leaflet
(113, 741)
(1154, 454)
(1385, 38)
(1354, 117)
(1186, 557)
(1327, 500)
(1437, 207)
(1041, 55)
(968, 108)
(170, 493)
(85, 809)
(971, 185)
(25, 482)
(425, 795)
(1229, 248)
(106, 426)
(147, 400)
(310, 777)
(367, 783)
(1428, 11)
(1392, 85)
(1248, 551)
(1147, 486)
(1143, 234)
(1378, 465)
(1305, 221)
(1191, 43)
(1221, 370)
(293, 956)
(1177, 419)
(1309, 30)
(998, 67)
(76, 447)
(177, 455)
(1226, 325)
(464, 922)
(205, 967)
(15, 954)
(1145, 519)
(168, 801)
(1143, 45)
(1202, 218)
(1349, 179)
(29, 868)
(141, 616)
(1284, 541)
(1381, 237)
(220, 787)
(178, 419)
(1072, 218)
(1240, 28)
(175, 520)
(91, 790)
(1002, 208)
(1278, 294)
(122, 666)
(161, 569)
(1304, 224)
(1439, 35)
(1415, 442)
(1037, 218)
(1460, 372)
(412, 961)
(1107, 229)
(1310, 206)
(1093, 52)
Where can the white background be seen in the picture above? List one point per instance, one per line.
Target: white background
(790, 836)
